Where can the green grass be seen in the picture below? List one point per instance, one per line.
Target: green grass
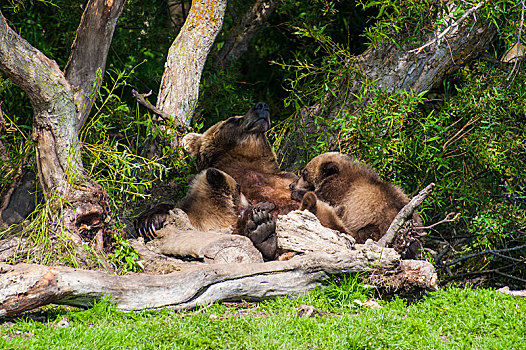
(448, 319)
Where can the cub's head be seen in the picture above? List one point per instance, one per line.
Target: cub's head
(243, 133)
(215, 189)
(321, 170)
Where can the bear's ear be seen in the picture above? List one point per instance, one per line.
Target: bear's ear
(216, 178)
(329, 168)
(190, 143)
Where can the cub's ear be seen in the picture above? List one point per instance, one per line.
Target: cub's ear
(190, 143)
(329, 168)
(216, 178)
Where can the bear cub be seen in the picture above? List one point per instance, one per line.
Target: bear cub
(239, 147)
(349, 196)
(215, 201)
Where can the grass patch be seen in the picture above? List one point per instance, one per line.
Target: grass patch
(447, 319)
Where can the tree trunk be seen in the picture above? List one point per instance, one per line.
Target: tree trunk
(179, 89)
(87, 62)
(177, 10)
(59, 107)
(240, 35)
(393, 67)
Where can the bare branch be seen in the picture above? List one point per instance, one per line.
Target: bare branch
(455, 24)
(490, 251)
(404, 215)
(141, 98)
(450, 217)
(517, 60)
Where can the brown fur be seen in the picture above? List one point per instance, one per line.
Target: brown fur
(239, 147)
(369, 203)
(214, 201)
(328, 215)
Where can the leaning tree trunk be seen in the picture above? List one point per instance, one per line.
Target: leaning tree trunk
(60, 107)
(87, 61)
(242, 33)
(186, 58)
(400, 67)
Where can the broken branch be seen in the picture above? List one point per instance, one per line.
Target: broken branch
(404, 215)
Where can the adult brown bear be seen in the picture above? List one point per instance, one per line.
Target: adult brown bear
(239, 147)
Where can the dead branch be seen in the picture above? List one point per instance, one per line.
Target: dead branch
(141, 98)
(404, 215)
(490, 251)
(445, 31)
(450, 217)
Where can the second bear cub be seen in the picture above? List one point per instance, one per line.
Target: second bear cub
(352, 192)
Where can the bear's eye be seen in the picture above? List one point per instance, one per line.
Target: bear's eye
(238, 188)
(233, 120)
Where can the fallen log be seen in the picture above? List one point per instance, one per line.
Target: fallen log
(27, 286)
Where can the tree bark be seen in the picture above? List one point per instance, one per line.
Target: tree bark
(87, 62)
(57, 146)
(179, 89)
(241, 34)
(393, 68)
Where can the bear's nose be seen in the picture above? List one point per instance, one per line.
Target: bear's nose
(261, 106)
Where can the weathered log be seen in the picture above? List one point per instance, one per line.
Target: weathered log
(9, 247)
(179, 238)
(211, 246)
(24, 286)
(513, 293)
(410, 276)
(301, 231)
(156, 263)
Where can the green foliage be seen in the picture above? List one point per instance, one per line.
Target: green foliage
(468, 137)
(339, 293)
(224, 96)
(125, 254)
(470, 143)
(407, 22)
(447, 319)
(112, 143)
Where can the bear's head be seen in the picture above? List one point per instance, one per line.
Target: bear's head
(214, 200)
(328, 172)
(242, 137)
